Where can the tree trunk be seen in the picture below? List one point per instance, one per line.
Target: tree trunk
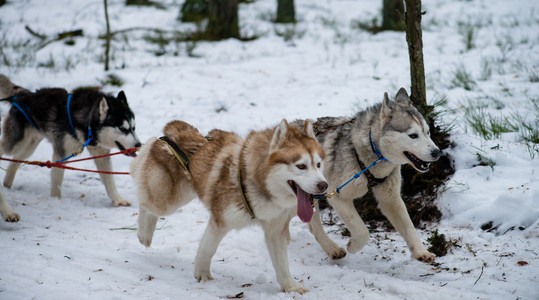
(194, 11)
(108, 37)
(415, 51)
(392, 15)
(222, 20)
(286, 12)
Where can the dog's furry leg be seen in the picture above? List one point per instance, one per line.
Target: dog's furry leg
(206, 249)
(277, 237)
(359, 234)
(22, 150)
(6, 211)
(104, 164)
(57, 177)
(147, 222)
(328, 245)
(393, 208)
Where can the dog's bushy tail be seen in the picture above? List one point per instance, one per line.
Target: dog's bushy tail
(8, 88)
(186, 136)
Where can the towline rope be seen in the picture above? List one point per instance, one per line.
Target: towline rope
(62, 164)
(338, 190)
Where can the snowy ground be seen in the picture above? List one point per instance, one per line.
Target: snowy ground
(80, 246)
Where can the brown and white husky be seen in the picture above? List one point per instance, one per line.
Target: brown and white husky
(266, 180)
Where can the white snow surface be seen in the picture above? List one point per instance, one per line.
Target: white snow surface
(80, 246)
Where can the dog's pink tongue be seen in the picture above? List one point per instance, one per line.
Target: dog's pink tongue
(305, 209)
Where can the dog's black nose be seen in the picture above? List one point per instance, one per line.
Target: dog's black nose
(322, 186)
(138, 145)
(436, 154)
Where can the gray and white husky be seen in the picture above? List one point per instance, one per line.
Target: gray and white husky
(69, 122)
(398, 132)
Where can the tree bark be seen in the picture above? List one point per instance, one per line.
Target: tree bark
(222, 20)
(415, 51)
(108, 37)
(286, 12)
(194, 11)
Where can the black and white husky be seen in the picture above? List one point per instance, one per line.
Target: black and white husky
(394, 130)
(71, 122)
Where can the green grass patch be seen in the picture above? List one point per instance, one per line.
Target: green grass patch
(469, 33)
(489, 126)
(462, 78)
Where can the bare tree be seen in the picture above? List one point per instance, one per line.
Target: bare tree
(222, 20)
(286, 12)
(194, 11)
(414, 37)
(108, 37)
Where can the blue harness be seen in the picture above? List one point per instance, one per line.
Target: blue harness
(22, 107)
(69, 96)
(25, 110)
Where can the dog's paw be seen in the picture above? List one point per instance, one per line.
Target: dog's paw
(56, 193)
(11, 216)
(425, 257)
(337, 254)
(144, 241)
(121, 202)
(294, 288)
(203, 276)
(354, 245)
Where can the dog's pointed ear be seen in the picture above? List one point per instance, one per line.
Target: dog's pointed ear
(279, 135)
(103, 109)
(309, 129)
(385, 116)
(402, 97)
(386, 104)
(121, 96)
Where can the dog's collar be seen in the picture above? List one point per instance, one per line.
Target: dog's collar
(371, 180)
(374, 147)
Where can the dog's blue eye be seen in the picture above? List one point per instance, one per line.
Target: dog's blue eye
(301, 166)
(413, 136)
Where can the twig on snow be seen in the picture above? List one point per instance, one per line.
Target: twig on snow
(482, 267)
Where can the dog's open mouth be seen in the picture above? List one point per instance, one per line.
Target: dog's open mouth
(122, 148)
(305, 207)
(419, 164)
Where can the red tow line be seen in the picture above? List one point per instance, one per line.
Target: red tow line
(49, 164)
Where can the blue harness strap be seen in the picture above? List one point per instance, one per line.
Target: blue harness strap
(90, 137)
(69, 96)
(378, 153)
(13, 101)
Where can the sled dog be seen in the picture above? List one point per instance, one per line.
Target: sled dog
(398, 132)
(264, 180)
(68, 121)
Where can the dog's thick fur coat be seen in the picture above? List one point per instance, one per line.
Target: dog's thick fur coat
(402, 136)
(277, 165)
(108, 119)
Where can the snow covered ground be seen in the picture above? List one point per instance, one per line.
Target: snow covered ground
(81, 247)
